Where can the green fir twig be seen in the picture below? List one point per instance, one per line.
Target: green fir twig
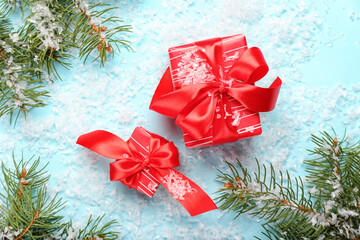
(28, 212)
(20, 81)
(327, 208)
(52, 32)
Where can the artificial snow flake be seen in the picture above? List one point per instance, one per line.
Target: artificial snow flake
(83, 5)
(333, 219)
(18, 103)
(36, 59)
(314, 190)
(254, 186)
(178, 186)
(318, 218)
(8, 233)
(46, 27)
(72, 234)
(326, 146)
(346, 212)
(321, 237)
(239, 183)
(14, 37)
(329, 205)
(11, 77)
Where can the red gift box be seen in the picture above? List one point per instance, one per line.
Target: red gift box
(210, 89)
(145, 161)
(182, 59)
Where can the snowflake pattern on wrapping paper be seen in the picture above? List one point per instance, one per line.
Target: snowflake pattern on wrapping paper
(247, 129)
(237, 118)
(193, 69)
(152, 186)
(233, 57)
(177, 186)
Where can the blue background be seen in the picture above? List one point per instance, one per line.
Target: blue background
(314, 46)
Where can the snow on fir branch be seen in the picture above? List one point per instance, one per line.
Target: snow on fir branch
(327, 208)
(47, 29)
(47, 39)
(27, 212)
(20, 83)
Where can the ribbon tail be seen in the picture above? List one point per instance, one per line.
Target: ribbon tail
(104, 143)
(257, 99)
(186, 192)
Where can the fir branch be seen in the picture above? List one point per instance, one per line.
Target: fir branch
(27, 212)
(56, 27)
(328, 209)
(91, 230)
(20, 82)
(51, 32)
(47, 38)
(92, 32)
(263, 196)
(29, 226)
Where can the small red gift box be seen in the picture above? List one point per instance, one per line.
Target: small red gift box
(210, 89)
(145, 161)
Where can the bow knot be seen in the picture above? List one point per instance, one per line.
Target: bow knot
(222, 88)
(159, 155)
(145, 163)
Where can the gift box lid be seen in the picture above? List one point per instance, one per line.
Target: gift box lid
(187, 66)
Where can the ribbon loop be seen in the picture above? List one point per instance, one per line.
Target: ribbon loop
(145, 163)
(222, 88)
(123, 168)
(250, 67)
(198, 114)
(166, 156)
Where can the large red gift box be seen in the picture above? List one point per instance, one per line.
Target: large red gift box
(208, 62)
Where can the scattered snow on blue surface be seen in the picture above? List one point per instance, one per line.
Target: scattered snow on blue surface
(303, 43)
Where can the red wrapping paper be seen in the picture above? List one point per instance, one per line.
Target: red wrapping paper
(148, 184)
(145, 161)
(230, 64)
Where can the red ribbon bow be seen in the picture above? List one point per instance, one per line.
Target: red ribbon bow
(149, 152)
(194, 105)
